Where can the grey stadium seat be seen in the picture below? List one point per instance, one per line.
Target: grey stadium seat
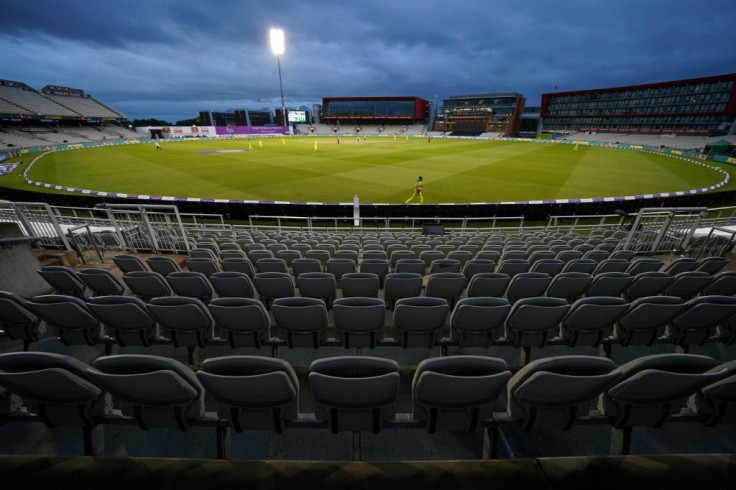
(101, 282)
(17, 320)
(186, 321)
(457, 392)
(252, 392)
(302, 320)
(147, 284)
(418, 321)
(555, 391)
(244, 322)
(591, 319)
(68, 317)
(477, 322)
(359, 321)
(157, 392)
(126, 318)
(354, 393)
(64, 280)
(232, 284)
(56, 387)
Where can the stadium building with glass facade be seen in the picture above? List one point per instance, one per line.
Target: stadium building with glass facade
(374, 110)
(698, 106)
(471, 115)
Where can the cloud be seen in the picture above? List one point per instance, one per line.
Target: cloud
(174, 58)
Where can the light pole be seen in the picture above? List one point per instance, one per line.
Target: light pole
(277, 48)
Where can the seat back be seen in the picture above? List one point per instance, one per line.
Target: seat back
(147, 284)
(532, 321)
(68, 317)
(252, 392)
(64, 280)
(419, 320)
(364, 284)
(653, 387)
(447, 285)
(17, 320)
(101, 282)
(157, 392)
(204, 266)
(488, 284)
(190, 284)
(232, 284)
(479, 321)
(244, 322)
(302, 320)
(129, 263)
(569, 285)
(126, 318)
(359, 320)
(354, 393)
(163, 265)
(555, 391)
(609, 284)
(457, 392)
(186, 321)
(56, 387)
(591, 319)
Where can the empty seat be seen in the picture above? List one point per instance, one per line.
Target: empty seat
(712, 265)
(680, 264)
(379, 267)
(555, 391)
(359, 320)
(56, 387)
(488, 284)
(244, 322)
(272, 285)
(300, 266)
(271, 265)
(338, 267)
(126, 318)
(568, 255)
(401, 285)
(129, 263)
(646, 319)
(688, 284)
(569, 285)
(302, 320)
(477, 322)
(513, 266)
(363, 284)
(723, 284)
(580, 265)
(321, 285)
(17, 320)
(410, 265)
(444, 265)
(191, 285)
(651, 388)
(232, 284)
(238, 265)
(551, 267)
(397, 255)
(611, 265)
(475, 266)
(101, 282)
(649, 283)
(157, 392)
(532, 321)
(202, 253)
(457, 392)
(699, 321)
(418, 321)
(461, 256)
(609, 284)
(715, 403)
(447, 285)
(202, 265)
(185, 321)
(163, 265)
(354, 393)
(147, 284)
(527, 285)
(255, 255)
(591, 319)
(644, 265)
(64, 280)
(68, 317)
(252, 392)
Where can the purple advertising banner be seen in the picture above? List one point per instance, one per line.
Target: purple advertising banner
(225, 130)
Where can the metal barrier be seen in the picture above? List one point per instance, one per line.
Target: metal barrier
(663, 230)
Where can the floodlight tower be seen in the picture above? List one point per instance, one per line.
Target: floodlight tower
(277, 48)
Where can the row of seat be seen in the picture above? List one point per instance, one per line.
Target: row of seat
(359, 393)
(472, 282)
(361, 321)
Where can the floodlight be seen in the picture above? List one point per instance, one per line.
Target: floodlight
(277, 41)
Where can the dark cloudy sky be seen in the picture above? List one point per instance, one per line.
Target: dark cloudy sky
(171, 58)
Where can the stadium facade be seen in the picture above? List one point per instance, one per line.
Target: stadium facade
(697, 106)
(472, 115)
(238, 117)
(374, 110)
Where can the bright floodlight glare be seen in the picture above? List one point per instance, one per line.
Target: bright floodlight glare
(277, 41)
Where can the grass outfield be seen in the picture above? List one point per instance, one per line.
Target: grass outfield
(381, 170)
